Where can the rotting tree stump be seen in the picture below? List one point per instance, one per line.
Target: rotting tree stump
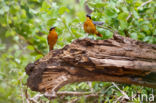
(119, 59)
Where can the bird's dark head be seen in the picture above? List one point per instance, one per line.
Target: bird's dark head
(88, 16)
(51, 28)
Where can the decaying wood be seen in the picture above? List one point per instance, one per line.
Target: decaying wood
(119, 59)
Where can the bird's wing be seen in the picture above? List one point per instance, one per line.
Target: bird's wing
(98, 22)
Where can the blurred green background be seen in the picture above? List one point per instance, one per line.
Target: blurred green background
(24, 26)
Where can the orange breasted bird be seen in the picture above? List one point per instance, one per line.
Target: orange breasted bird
(52, 38)
(89, 26)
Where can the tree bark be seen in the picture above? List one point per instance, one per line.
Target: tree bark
(120, 59)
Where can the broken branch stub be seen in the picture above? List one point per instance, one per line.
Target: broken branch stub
(119, 59)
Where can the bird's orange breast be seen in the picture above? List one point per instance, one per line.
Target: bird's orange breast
(89, 27)
(52, 39)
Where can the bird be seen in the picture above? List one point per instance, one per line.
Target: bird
(89, 26)
(52, 38)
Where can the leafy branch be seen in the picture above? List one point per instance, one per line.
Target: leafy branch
(28, 42)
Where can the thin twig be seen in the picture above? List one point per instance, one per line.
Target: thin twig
(129, 16)
(107, 89)
(36, 97)
(108, 28)
(33, 99)
(125, 95)
(26, 95)
(130, 13)
(86, 96)
(73, 93)
(64, 93)
(68, 29)
(90, 86)
(22, 95)
(118, 99)
(143, 4)
(67, 93)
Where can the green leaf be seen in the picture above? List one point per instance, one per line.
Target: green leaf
(30, 47)
(123, 24)
(81, 15)
(100, 4)
(23, 14)
(136, 15)
(146, 29)
(116, 22)
(10, 33)
(63, 9)
(134, 36)
(97, 4)
(122, 16)
(129, 1)
(45, 6)
(110, 12)
(147, 38)
(51, 22)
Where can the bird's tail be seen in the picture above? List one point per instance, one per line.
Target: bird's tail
(98, 34)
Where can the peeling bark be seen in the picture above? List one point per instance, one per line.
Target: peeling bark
(119, 59)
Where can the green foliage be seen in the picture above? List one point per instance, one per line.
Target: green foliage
(24, 26)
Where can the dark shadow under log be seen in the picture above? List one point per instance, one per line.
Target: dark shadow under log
(119, 59)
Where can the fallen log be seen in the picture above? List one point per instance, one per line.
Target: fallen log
(120, 59)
